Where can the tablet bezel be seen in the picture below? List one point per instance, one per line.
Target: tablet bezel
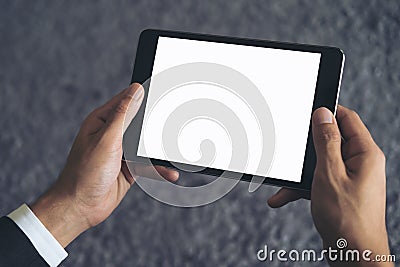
(326, 94)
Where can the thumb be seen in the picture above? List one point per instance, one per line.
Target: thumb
(125, 108)
(327, 139)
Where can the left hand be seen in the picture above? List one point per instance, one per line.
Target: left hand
(94, 179)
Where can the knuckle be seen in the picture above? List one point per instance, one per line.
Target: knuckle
(123, 105)
(329, 135)
(89, 118)
(353, 113)
(375, 155)
(120, 108)
(93, 114)
(380, 155)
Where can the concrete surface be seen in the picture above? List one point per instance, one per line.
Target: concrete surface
(61, 59)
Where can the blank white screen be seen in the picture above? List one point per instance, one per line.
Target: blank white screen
(287, 80)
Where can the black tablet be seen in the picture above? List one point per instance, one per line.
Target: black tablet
(231, 106)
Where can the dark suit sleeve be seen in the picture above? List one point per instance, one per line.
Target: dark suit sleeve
(15, 247)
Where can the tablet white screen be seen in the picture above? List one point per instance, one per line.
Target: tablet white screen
(285, 78)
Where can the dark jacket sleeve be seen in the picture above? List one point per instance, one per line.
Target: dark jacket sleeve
(15, 247)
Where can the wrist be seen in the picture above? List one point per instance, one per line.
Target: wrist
(58, 214)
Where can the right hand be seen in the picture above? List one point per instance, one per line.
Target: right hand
(348, 195)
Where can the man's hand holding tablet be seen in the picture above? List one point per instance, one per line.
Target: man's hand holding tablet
(348, 195)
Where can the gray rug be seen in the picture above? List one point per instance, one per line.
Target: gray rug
(61, 59)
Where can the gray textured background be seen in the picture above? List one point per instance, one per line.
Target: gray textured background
(61, 59)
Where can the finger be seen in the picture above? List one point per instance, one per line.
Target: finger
(359, 142)
(99, 116)
(123, 185)
(134, 107)
(168, 174)
(127, 174)
(327, 139)
(285, 196)
(351, 125)
(125, 109)
(153, 172)
(108, 106)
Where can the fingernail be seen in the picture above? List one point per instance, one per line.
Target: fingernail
(138, 94)
(322, 115)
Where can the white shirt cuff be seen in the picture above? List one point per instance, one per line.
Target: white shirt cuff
(44, 242)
